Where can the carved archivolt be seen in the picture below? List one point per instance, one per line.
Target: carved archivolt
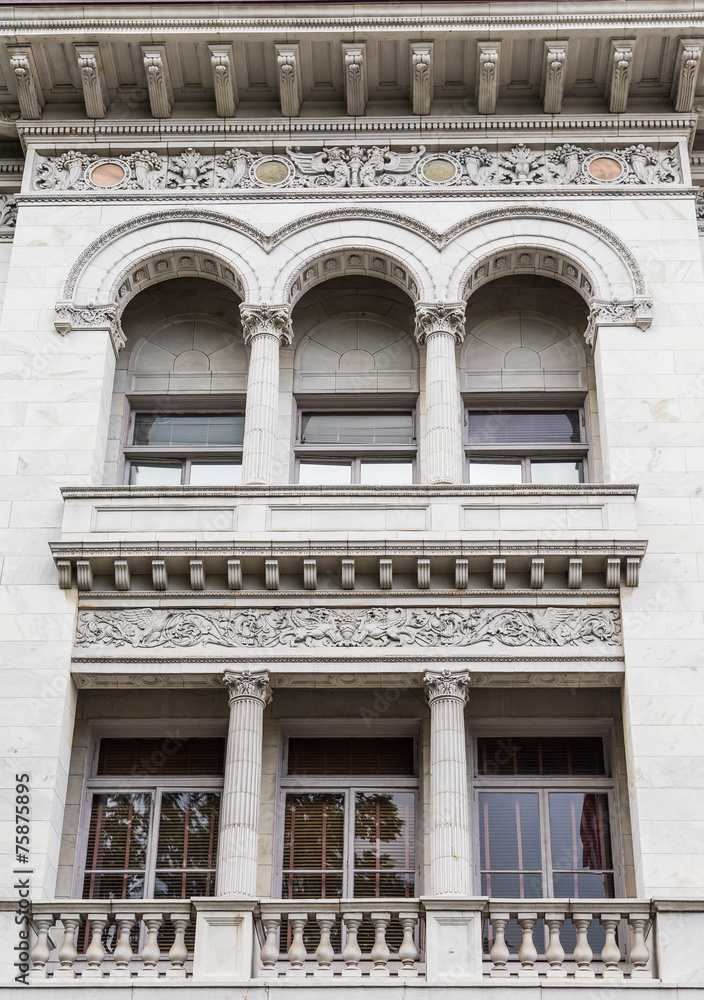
(256, 628)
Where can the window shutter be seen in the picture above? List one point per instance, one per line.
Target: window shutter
(547, 755)
(351, 756)
(169, 755)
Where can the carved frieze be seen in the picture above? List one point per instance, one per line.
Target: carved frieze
(358, 166)
(252, 628)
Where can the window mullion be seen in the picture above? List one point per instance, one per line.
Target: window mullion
(546, 843)
(150, 860)
(348, 858)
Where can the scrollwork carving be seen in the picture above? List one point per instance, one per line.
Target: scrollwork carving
(253, 628)
(440, 317)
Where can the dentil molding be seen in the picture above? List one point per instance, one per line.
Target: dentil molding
(347, 627)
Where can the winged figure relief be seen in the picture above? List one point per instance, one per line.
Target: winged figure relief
(387, 167)
(326, 168)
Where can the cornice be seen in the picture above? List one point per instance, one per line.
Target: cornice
(378, 492)
(217, 128)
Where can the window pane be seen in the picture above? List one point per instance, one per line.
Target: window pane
(117, 846)
(189, 429)
(386, 473)
(357, 428)
(188, 830)
(579, 831)
(314, 831)
(509, 830)
(215, 474)
(152, 474)
(325, 473)
(523, 427)
(556, 472)
(494, 473)
(384, 836)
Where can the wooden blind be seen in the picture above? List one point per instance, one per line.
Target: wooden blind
(541, 755)
(351, 756)
(117, 846)
(167, 755)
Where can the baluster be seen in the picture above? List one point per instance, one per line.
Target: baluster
(270, 949)
(380, 950)
(68, 950)
(297, 953)
(178, 952)
(555, 953)
(352, 953)
(151, 952)
(583, 953)
(611, 953)
(408, 952)
(527, 953)
(499, 953)
(640, 953)
(95, 952)
(324, 952)
(123, 949)
(41, 949)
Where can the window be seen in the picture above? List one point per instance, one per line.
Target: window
(196, 449)
(348, 824)
(526, 446)
(544, 809)
(153, 812)
(371, 448)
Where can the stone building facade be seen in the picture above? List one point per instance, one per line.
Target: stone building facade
(353, 451)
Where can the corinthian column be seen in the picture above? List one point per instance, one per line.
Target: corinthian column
(239, 821)
(450, 865)
(264, 328)
(440, 326)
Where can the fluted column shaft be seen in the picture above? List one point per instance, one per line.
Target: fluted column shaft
(265, 328)
(239, 819)
(450, 864)
(440, 326)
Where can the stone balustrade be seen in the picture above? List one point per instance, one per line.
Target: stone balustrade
(624, 952)
(355, 939)
(285, 922)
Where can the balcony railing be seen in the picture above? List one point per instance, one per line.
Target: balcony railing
(428, 939)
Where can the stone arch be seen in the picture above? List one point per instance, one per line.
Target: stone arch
(555, 243)
(152, 248)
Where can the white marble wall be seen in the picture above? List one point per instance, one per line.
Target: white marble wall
(650, 386)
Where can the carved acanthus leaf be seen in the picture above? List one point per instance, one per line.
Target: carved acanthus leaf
(29, 91)
(222, 60)
(290, 81)
(446, 684)
(487, 86)
(521, 165)
(421, 77)
(267, 320)
(95, 92)
(440, 317)
(248, 684)
(161, 95)
(442, 627)
(8, 211)
(618, 81)
(354, 58)
(555, 68)
(69, 317)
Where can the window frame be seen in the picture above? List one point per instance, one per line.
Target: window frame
(544, 785)
(175, 455)
(349, 784)
(155, 784)
(526, 452)
(327, 453)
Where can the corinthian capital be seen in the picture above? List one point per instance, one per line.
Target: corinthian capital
(446, 684)
(271, 320)
(439, 317)
(248, 684)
